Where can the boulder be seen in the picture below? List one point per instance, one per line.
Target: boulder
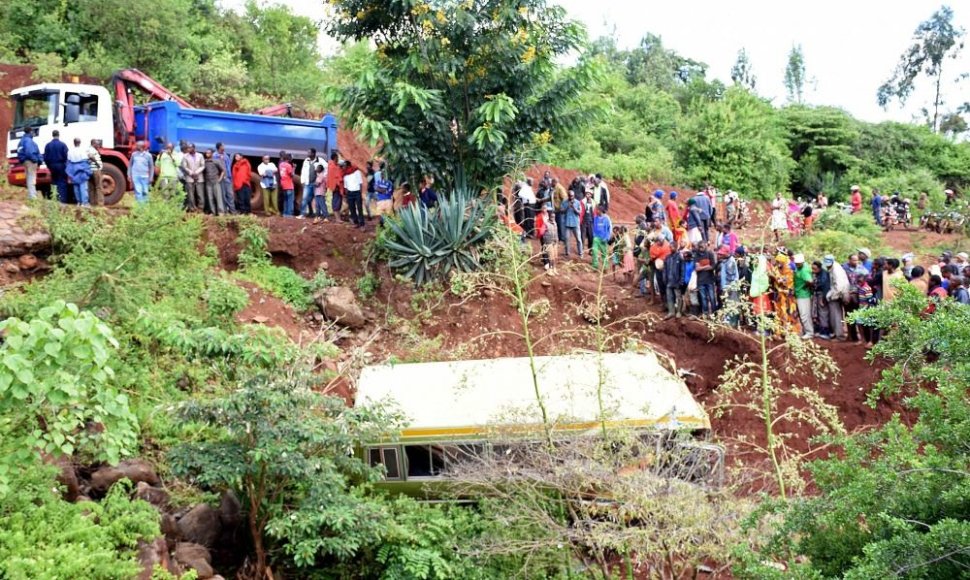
(195, 557)
(156, 496)
(169, 528)
(201, 525)
(66, 475)
(135, 470)
(340, 305)
(20, 232)
(152, 554)
(230, 510)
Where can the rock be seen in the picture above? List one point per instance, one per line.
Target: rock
(340, 305)
(195, 557)
(150, 555)
(156, 496)
(230, 510)
(134, 470)
(260, 319)
(27, 262)
(201, 525)
(169, 527)
(324, 266)
(66, 475)
(15, 239)
(11, 268)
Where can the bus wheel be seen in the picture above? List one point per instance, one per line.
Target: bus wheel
(113, 184)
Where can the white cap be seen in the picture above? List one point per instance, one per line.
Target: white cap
(799, 258)
(963, 256)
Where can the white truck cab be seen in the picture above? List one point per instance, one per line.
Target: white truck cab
(83, 111)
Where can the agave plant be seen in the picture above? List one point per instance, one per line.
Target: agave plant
(428, 245)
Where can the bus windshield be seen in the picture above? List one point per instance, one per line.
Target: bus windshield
(33, 109)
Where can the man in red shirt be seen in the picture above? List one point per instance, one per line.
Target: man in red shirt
(335, 180)
(856, 199)
(286, 183)
(673, 212)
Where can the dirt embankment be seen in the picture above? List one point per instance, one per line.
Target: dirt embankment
(439, 325)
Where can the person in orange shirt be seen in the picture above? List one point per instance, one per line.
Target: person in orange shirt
(856, 199)
(659, 250)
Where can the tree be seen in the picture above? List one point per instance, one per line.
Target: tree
(823, 145)
(742, 72)
(283, 448)
(492, 85)
(936, 41)
(893, 502)
(736, 143)
(795, 75)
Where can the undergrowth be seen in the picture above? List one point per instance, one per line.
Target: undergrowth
(284, 283)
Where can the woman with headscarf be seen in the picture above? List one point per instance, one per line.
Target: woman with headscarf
(783, 287)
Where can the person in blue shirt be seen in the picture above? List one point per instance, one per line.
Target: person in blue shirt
(572, 209)
(602, 232)
(877, 206)
(28, 153)
(55, 158)
(703, 203)
(427, 195)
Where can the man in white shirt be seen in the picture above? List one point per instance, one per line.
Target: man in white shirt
(79, 170)
(527, 197)
(601, 193)
(353, 182)
(267, 180)
(308, 175)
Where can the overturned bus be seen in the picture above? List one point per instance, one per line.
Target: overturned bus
(459, 410)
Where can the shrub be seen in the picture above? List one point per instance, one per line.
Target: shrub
(284, 283)
(367, 285)
(57, 382)
(225, 299)
(860, 225)
(839, 244)
(43, 536)
(429, 245)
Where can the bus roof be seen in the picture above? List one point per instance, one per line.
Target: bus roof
(467, 398)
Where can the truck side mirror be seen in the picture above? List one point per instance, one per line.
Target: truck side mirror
(72, 109)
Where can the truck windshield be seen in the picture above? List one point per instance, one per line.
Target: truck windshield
(33, 109)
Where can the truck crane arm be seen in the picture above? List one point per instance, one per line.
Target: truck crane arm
(279, 110)
(125, 83)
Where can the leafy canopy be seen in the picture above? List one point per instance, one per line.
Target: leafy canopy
(454, 86)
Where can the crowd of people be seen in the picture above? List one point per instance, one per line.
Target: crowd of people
(688, 257)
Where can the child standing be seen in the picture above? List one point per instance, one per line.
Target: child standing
(320, 193)
(628, 262)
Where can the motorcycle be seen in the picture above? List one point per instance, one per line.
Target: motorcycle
(895, 215)
(930, 221)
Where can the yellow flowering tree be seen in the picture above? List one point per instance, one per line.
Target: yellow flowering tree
(454, 86)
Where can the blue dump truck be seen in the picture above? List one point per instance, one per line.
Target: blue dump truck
(89, 112)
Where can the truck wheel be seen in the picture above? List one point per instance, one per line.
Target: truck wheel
(113, 184)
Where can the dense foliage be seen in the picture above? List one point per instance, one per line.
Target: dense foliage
(57, 382)
(43, 536)
(194, 47)
(896, 501)
(658, 118)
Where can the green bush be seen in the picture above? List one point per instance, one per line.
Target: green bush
(860, 224)
(429, 245)
(57, 379)
(839, 244)
(224, 299)
(367, 285)
(43, 536)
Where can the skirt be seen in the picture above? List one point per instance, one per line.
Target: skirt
(629, 263)
(694, 236)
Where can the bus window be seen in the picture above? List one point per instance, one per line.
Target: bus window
(386, 456)
(419, 460)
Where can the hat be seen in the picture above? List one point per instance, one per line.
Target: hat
(723, 252)
(673, 195)
(854, 188)
(948, 191)
(935, 270)
(658, 194)
(799, 258)
(963, 256)
(865, 251)
(781, 258)
(691, 202)
(740, 251)
(828, 260)
(908, 257)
